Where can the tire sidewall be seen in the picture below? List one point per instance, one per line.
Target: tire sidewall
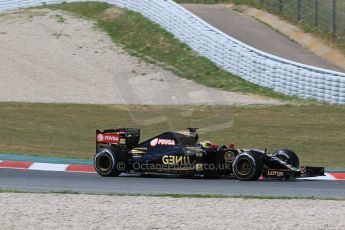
(290, 156)
(112, 156)
(253, 170)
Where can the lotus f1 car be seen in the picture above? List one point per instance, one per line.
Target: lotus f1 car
(119, 151)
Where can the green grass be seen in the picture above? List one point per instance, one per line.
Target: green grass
(149, 41)
(315, 132)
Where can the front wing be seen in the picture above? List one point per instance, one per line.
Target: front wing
(304, 171)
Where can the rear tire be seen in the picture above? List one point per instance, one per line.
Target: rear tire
(247, 166)
(288, 156)
(107, 164)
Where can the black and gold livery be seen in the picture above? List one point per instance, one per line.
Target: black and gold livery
(178, 152)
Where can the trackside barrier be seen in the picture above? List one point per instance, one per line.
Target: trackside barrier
(253, 65)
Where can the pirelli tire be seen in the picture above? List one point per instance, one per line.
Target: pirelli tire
(107, 162)
(288, 156)
(247, 166)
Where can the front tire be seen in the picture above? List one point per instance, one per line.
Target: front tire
(247, 166)
(287, 156)
(106, 162)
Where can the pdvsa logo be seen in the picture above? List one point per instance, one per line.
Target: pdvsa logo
(100, 137)
(158, 141)
(111, 138)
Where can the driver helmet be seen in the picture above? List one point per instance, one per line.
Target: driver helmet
(205, 144)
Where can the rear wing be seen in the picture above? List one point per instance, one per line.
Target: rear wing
(126, 137)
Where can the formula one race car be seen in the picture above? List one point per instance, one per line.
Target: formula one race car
(118, 151)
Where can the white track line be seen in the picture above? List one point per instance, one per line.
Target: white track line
(48, 167)
(327, 177)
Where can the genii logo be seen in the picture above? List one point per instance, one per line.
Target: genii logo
(158, 141)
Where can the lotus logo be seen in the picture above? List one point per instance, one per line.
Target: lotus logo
(158, 141)
(275, 173)
(229, 156)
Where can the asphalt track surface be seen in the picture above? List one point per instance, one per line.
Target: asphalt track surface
(256, 34)
(44, 181)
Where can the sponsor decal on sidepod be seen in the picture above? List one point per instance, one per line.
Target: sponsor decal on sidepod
(158, 141)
